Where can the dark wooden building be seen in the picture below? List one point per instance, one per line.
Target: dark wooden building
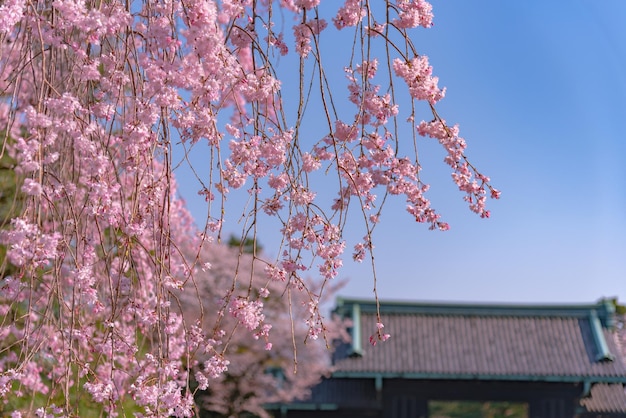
(558, 361)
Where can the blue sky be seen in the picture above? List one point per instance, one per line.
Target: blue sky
(539, 91)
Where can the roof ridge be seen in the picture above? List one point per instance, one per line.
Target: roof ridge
(603, 309)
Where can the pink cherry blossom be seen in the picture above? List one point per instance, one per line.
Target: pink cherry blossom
(417, 73)
(116, 294)
(350, 14)
(413, 13)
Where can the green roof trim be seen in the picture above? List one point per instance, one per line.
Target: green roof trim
(602, 350)
(301, 406)
(604, 309)
(355, 330)
(491, 377)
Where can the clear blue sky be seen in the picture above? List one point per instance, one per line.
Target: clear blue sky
(539, 91)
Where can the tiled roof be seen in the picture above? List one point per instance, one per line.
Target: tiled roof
(488, 342)
(605, 399)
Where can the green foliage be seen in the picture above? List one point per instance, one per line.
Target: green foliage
(468, 409)
(619, 309)
(81, 403)
(247, 246)
(11, 202)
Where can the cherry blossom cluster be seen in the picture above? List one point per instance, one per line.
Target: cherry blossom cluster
(470, 181)
(413, 13)
(11, 12)
(249, 314)
(379, 335)
(304, 33)
(350, 14)
(379, 166)
(255, 156)
(417, 73)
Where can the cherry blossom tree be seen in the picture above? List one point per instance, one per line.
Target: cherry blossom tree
(98, 96)
(259, 372)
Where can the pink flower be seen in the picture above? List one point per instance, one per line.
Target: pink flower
(413, 13)
(378, 336)
(304, 32)
(11, 12)
(215, 366)
(307, 4)
(249, 314)
(417, 74)
(310, 163)
(350, 14)
(31, 187)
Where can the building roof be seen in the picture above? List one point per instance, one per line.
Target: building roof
(605, 399)
(566, 343)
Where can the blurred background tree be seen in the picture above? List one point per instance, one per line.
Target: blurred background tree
(257, 376)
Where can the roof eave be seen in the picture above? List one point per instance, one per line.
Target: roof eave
(484, 377)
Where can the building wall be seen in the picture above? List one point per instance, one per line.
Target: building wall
(406, 398)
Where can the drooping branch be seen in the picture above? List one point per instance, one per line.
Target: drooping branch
(103, 262)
